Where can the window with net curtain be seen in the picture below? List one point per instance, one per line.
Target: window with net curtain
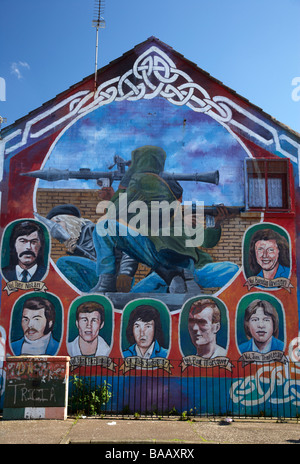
(267, 184)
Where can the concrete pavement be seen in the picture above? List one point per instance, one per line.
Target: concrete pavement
(131, 432)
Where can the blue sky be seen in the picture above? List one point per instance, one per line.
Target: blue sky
(251, 46)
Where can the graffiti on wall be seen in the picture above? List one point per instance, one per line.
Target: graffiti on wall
(39, 382)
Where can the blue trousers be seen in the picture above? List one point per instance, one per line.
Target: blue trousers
(84, 273)
(209, 276)
(81, 272)
(134, 244)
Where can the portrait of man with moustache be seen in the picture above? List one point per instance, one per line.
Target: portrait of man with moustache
(26, 253)
(37, 322)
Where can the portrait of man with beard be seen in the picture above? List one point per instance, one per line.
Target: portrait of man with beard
(26, 253)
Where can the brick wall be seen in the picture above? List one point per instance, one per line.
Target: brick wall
(228, 249)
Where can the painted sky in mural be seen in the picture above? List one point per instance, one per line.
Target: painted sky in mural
(192, 143)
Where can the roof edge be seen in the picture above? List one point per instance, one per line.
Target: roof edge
(129, 52)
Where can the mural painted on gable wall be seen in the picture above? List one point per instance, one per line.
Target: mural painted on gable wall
(149, 149)
(168, 155)
(138, 251)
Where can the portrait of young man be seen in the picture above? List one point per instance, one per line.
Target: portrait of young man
(90, 319)
(145, 334)
(204, 322)
(26, 253)
(261, 325)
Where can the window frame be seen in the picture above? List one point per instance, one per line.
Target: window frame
(285, 176)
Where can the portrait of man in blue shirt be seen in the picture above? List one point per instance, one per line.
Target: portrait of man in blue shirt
(144, 333)
(261, 324)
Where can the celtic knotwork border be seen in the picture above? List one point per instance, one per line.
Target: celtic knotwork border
(154, 74)
(270, 384)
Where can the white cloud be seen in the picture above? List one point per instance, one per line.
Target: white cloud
(17, 68)
(92, 135)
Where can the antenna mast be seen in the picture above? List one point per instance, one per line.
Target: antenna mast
(99, 23)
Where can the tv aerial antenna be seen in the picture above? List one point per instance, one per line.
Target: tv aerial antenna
(99, 23)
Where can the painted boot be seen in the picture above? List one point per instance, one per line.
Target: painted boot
(173, 278)
(106, 283)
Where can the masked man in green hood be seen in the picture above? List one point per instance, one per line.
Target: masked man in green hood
(157, 236)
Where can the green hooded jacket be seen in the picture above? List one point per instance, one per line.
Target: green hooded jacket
(142, 183)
